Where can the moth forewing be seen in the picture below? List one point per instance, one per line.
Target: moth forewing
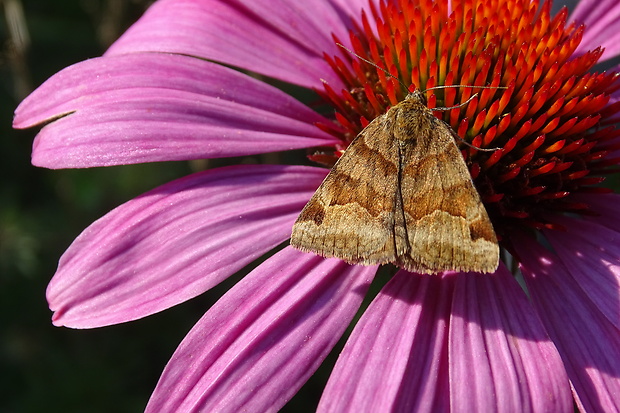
(402, 194)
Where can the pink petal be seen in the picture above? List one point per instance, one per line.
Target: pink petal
(606, 206)
(177, 241)
(283, 39)
(153, 107)
(588, 343)
(501, 358)
(310, 23)
(396, 359)
(261, 341)
(352, 7)
(591, 253)
(602, 20)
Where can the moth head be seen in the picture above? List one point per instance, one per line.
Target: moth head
(418, 97)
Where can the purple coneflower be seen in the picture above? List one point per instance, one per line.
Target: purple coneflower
(446, 342)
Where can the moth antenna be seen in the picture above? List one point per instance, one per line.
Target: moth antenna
(463, 104)
(431, 88)
(477, 87)
(476, 147)
(468, 100)
(457, 106)
(375, 65)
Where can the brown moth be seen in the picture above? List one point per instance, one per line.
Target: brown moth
(402, 194)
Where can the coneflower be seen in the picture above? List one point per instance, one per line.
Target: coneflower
(439, 342)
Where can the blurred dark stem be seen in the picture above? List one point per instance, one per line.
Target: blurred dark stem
(17, 46)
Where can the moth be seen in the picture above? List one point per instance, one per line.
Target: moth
(401, 193)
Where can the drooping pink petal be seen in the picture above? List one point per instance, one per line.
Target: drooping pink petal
(155, 107)
(310, 23)
(588, 342)
(283, 39)
(606, 208)
(352, 7)
(262, 340)
(591, 253)
(177, 241)
(602, 18)
(396, 359)
(501, 358)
